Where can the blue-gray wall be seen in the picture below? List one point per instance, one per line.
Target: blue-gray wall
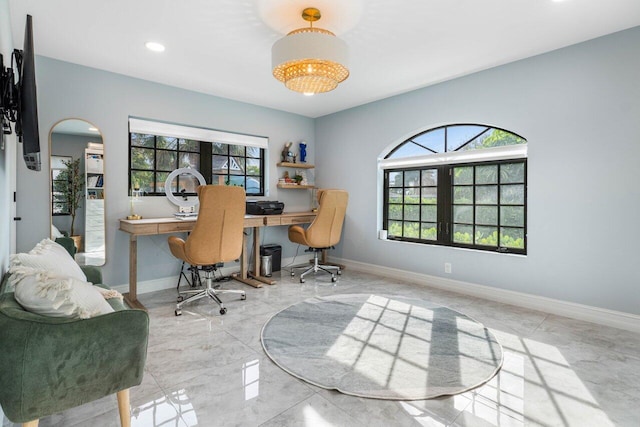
(5, 208)
(107, 100)
(579, 109)
(7, 152)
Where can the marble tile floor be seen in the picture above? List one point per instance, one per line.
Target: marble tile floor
(210, 370)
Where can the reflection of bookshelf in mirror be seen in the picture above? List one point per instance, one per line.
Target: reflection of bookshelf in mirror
(94, 199)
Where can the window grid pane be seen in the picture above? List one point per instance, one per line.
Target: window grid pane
(462, 233)
(235, 169)
(411, 230)
(140, 140)
(411, 198)
(152, 158)
(428, 231)
(394, 228)
(486, 236)
(412, 195)
(394, 211)
(188, 145)
(189, 160)
(166, 160)
(482, 204)
(142, 158)
(395, 179)
(412, 179)
(486, 207)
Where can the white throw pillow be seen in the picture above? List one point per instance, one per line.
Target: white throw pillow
(46, 256)
(55, 233)
(67, 297)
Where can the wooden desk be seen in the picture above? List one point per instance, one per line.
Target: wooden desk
(153, 226)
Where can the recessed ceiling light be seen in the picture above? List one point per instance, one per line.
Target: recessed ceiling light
(154, 46)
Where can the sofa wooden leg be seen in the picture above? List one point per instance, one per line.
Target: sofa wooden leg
(33, 423)
(123, 407)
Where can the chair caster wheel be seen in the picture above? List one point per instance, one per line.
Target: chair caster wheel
(223, 311)
(178, 312)
(180, 298)
(301, 280)
(293, 274)
(339, 272)
(243, 297)
(334, 279)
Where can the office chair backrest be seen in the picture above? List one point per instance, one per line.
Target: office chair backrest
(326, 229)
(217, 234)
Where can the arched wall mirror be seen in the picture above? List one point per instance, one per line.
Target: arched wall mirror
(77, 189)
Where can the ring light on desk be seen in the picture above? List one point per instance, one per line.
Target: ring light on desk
(179, 172)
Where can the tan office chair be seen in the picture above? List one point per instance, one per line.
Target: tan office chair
(324, 231)
(216, 237)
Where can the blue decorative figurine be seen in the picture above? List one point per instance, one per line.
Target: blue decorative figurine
(303, 152)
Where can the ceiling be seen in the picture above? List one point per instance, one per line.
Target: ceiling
(76, 127)
(223, 47)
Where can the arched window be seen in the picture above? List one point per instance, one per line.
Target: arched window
(460, 185)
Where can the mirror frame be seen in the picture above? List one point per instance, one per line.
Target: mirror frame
(104, 190)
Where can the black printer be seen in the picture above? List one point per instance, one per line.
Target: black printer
(264, 207)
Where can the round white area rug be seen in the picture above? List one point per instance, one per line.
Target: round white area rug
(382, 346)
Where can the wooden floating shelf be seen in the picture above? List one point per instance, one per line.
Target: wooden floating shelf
(295, 186)
(295, 165)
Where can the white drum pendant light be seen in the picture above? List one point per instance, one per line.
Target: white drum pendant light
(310, 60)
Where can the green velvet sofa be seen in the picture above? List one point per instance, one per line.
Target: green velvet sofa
(49, 364)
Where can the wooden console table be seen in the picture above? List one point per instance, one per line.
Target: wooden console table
(154, 226)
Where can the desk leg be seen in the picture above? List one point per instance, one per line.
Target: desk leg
(131, 297)
(243, 276)
(256, 251)
(244, 259)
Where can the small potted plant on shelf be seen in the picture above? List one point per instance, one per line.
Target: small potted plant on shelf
(298, 179)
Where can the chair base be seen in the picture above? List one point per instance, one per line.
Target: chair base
(195, 280)
(209, 291)
(316, 266)
(195, 277)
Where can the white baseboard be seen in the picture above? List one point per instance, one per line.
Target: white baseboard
(146, 286)
(150, 285)
(602, 316)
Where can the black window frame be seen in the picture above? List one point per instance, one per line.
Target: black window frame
(229, 156)
(445, 206)
(204, 167)
(423, 226)
(446, 144)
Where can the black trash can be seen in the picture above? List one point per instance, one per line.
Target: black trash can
(276, 255)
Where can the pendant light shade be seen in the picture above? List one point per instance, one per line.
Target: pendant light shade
(310, 60)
